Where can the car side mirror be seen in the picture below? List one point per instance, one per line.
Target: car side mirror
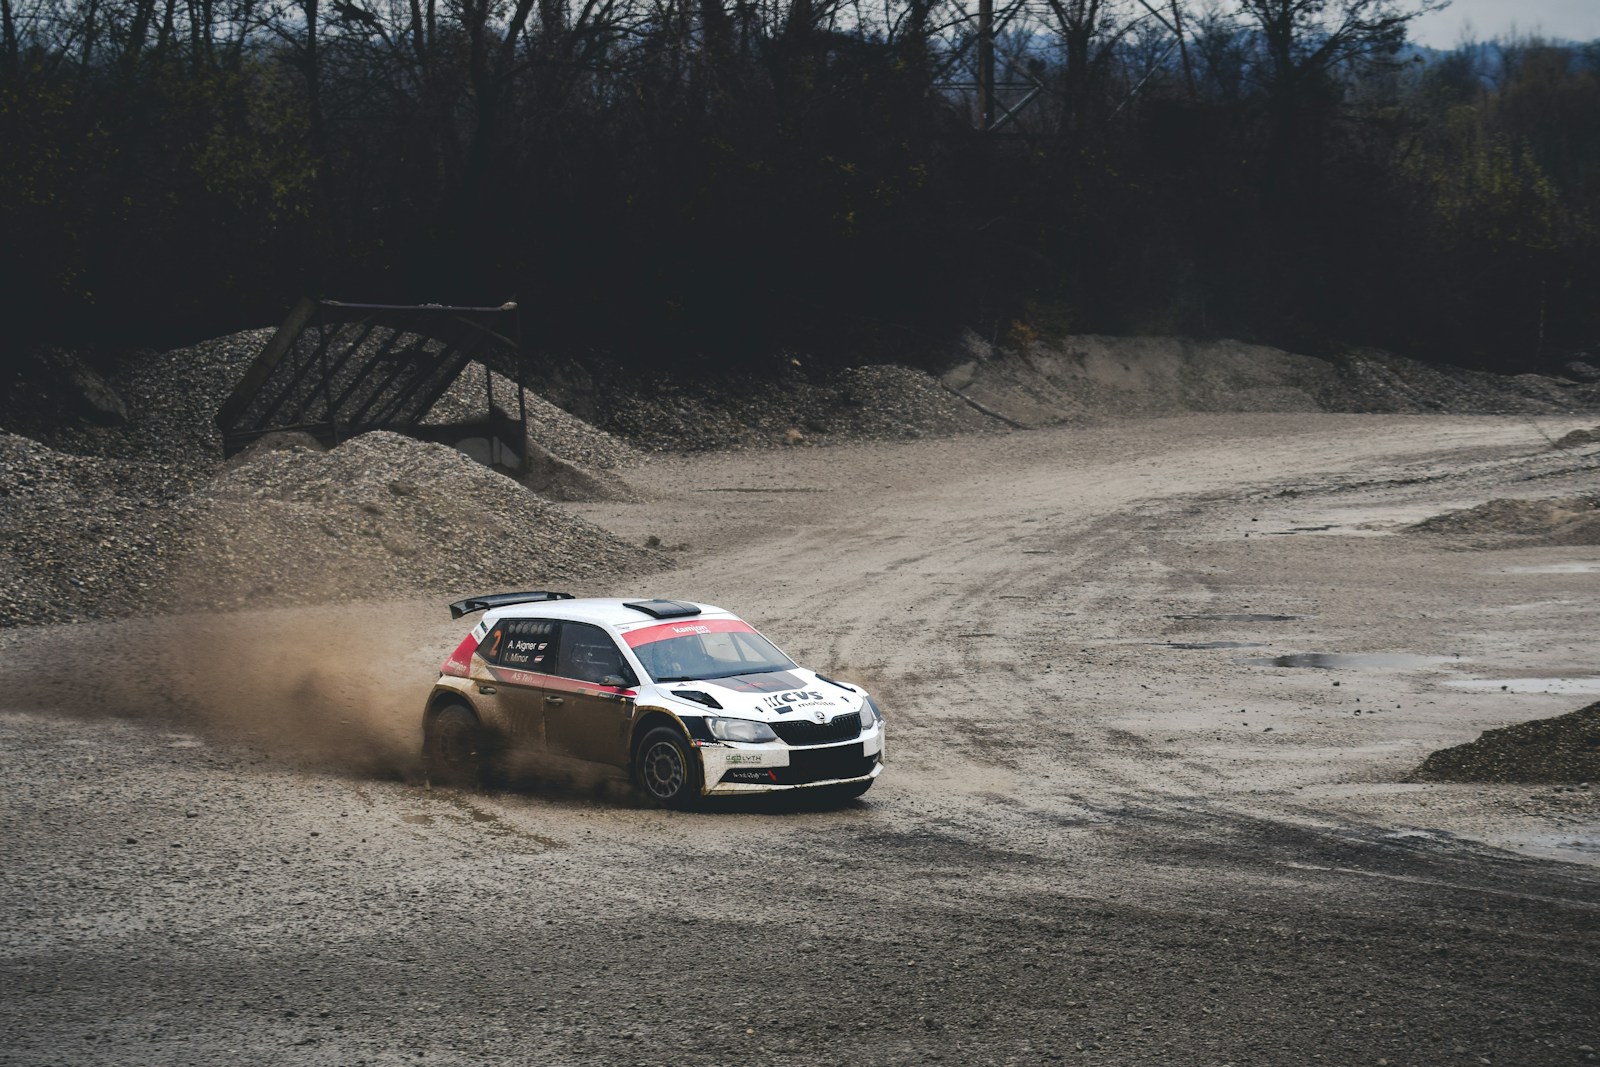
(615, 680)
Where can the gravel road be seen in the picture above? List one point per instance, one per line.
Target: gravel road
(1094, 843)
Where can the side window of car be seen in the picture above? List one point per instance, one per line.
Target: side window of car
(590, 655)
(526, 644)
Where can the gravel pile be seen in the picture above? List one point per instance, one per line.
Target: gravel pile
(558, 430)
(1563, 749)
(1378, 381)
(380, 514)
(1579, 438)
(77, 533)
(86, 537)
(881, 402)
(171, 400)
(1573, 520)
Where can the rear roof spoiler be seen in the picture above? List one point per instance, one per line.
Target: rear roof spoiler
(500, 600)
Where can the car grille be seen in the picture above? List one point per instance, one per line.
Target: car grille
(810, 765)
(800, 732)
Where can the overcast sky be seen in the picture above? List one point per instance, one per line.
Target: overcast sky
(1576, 20)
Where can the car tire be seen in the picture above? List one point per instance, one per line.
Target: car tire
(454, 747)
(666, 769)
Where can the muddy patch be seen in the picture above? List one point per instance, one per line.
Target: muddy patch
(1209, 644)
(1241, 617)
(1347, 661)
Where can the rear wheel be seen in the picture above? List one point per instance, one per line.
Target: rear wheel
(453, 747)
(667, 769)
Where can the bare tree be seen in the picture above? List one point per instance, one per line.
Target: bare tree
(1090, 31)
(9, 50)
(1303, 40)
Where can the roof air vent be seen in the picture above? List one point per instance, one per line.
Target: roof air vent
(663, 609)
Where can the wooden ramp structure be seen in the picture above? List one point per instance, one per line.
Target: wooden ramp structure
(334, 370)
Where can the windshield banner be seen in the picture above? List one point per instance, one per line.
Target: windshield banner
(666, 631)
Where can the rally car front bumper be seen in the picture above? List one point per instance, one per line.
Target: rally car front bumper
(732, 767)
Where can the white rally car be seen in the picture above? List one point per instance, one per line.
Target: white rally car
(686, 698)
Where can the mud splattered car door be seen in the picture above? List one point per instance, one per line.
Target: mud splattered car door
(588, 706)
(519, 655)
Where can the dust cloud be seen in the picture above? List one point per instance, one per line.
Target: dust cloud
(333, 688)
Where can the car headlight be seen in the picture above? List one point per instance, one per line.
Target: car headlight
(871, 716)
(741, 730)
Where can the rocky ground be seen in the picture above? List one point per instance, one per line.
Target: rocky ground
(1158, 690)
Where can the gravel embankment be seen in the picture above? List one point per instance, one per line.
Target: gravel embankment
(133, 509)
(1093, 376)
(876, 403)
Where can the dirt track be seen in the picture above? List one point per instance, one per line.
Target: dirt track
(1088, 846)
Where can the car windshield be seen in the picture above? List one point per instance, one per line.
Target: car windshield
(699, 657)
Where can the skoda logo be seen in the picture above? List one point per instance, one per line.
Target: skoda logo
(821, 715)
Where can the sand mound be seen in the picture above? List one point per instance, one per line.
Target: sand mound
(1563, 749)
(1091, 376)
(1571, 520)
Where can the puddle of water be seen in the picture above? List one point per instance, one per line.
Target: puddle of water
(1556, 568)
(1341, 661)
(1210, 644)
(1241, 618)
(1580, 686)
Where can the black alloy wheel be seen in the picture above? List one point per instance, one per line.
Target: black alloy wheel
(666, 769)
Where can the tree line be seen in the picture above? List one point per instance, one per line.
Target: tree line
(712, 183)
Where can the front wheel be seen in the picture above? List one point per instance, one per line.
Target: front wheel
(454, 747)
(666, 769)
